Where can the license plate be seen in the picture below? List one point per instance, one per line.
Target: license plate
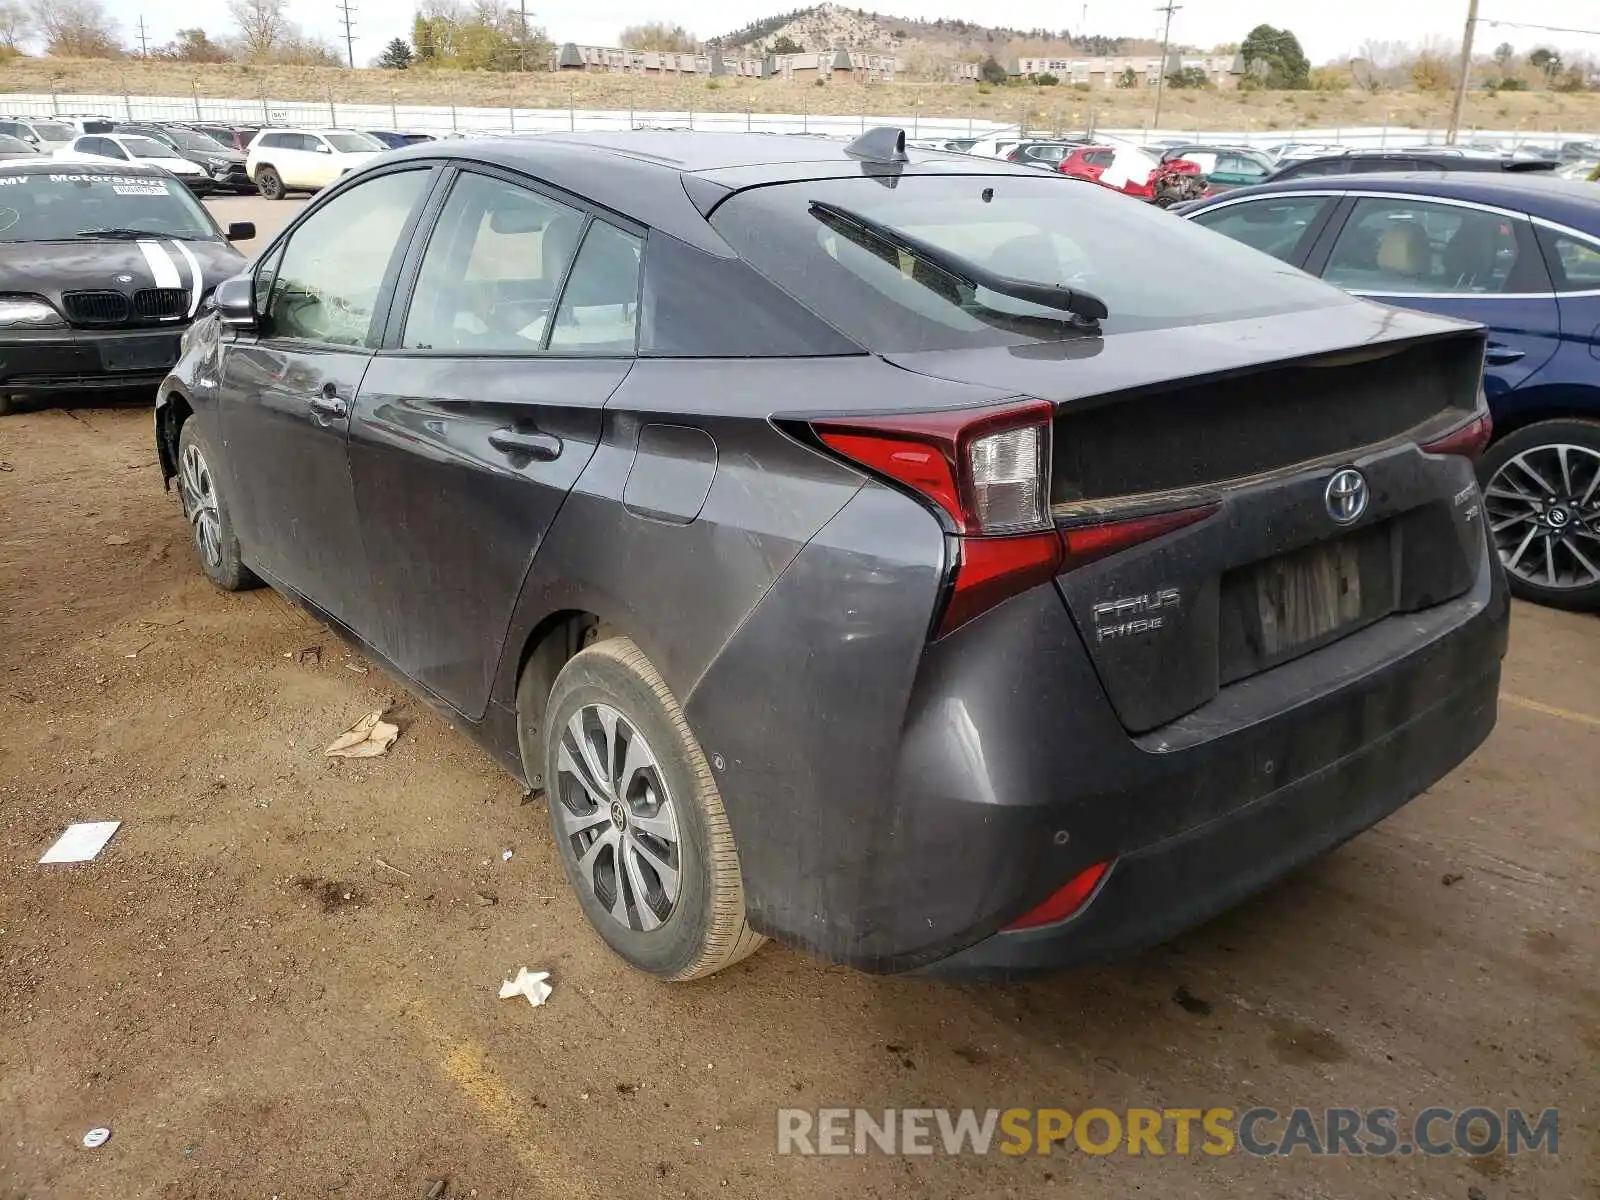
(1305, 596)
(144, 354)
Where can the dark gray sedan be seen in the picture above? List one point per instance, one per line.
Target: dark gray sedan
(912, 557)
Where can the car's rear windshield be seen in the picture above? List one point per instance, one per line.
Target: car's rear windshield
(42, 206)
(190, 140)
(1153, 270)
(54, 131)
(354, 143)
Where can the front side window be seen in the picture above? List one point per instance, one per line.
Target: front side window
(101, 147)
(1575, 262)
(329, 278)
(53, 131)
(1399, 246)
(1277, 225)
(492, 269)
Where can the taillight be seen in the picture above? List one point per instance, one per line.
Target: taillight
(1063, 902)
(1469, 440)
(987, 472)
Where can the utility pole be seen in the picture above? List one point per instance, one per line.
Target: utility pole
(144, 42)
(1166, 40)
(1466, 71)
(349, 31)
(523, 5)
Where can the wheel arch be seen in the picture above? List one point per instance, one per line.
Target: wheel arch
(546, 649)
(1537, 404)
(174, 411)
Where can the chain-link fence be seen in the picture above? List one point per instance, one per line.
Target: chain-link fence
(451, 119)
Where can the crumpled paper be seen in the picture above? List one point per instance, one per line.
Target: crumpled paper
(367, 738)
(527, 983)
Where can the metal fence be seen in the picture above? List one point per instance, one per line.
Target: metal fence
(442, 119)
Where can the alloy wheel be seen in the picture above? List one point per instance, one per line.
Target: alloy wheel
(200, 504)
(618, 816)
(1544, 514)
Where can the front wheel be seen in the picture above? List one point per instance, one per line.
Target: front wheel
(1541, 489)
(206, 508)
(637, 818)
(270, 184)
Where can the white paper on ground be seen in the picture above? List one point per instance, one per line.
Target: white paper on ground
(527, 983)
(81, 842)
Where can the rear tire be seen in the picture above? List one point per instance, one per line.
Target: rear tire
(270, 184)
(206, 509)
(637, 818)
(5, 405)
(1542, 499)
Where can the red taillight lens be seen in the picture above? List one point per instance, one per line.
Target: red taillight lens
(1064, 902)
(1469, 440)
(1085, 543)
(988, 472)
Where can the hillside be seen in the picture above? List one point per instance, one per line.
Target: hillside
(1042, 108)
(830, 27)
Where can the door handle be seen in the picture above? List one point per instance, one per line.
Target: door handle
(329, 403)
(540, 447)
(1498, 355)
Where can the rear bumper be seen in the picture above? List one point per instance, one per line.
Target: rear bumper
(37, 362)
(1162, 889)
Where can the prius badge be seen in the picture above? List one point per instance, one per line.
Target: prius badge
(1346, 496)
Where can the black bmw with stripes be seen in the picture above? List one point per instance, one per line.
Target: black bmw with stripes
(105, 266)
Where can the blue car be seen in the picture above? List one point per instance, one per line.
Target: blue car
(1521, 255)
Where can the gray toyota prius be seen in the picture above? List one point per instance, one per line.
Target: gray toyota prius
(930, 562)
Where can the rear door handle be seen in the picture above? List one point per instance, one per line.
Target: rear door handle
(329, 403)
(540, 447)
(1498, 355)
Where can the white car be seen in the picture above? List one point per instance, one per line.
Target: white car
(281, 161)
(116, 147)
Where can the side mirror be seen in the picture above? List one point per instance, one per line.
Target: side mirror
(234, 300)
(323, 149)
(241, 231)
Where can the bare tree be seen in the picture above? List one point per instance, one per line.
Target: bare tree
(76, 29)
(658, 35)
(15, 23)
(262, 25)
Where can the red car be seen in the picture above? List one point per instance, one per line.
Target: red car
(1141, 171)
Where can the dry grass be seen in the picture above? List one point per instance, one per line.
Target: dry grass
(1041, 108)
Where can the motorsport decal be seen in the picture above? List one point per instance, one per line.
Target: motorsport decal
(118, 182)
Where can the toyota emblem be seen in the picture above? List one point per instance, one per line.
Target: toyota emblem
(1346, 496)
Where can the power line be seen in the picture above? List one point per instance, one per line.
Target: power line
(1161, 74)
(349, 37)
(1544, 28)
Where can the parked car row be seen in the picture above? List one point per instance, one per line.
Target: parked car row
(207, 157)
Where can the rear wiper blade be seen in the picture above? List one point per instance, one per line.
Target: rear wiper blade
(1086, 305)
(116, 233)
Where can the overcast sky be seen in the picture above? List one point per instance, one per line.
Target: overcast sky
(1327, 28)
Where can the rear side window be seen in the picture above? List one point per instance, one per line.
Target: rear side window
(599, 310)
(1401, 246)
(1152, 271)
(1278, 225)
(1574, 262)
(492, 269)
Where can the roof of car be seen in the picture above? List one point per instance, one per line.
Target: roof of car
(1555, 199)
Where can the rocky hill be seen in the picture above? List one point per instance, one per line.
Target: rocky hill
(831, 27)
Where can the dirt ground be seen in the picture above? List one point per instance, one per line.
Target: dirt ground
(1061, 107)
(279, 980)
